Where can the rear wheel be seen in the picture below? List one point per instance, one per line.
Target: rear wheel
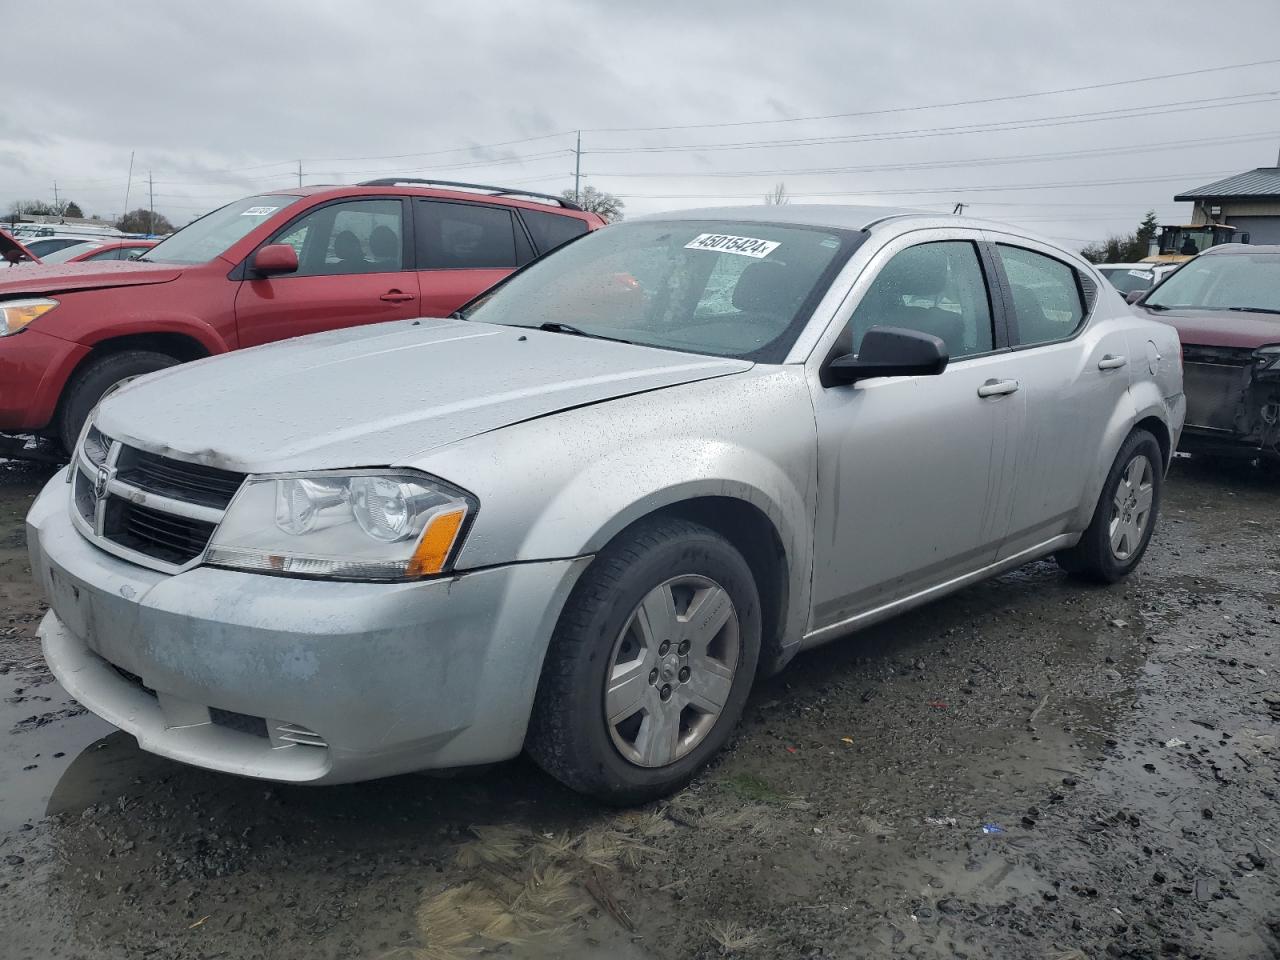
(97, 379)
(650, 666)
(1125, 516)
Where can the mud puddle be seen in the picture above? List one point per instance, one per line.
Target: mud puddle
(1026, 769)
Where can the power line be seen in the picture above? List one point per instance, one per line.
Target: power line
(996, 187)
(1147, 147)
(1065, 119)
(939, 106)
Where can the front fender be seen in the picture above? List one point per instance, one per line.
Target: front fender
(565, 485)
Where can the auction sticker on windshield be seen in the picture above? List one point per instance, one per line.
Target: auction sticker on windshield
(259, 211)
(742, 246)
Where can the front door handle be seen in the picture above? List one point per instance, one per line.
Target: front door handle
(1110, 362)
(396, 296)
(998, 388)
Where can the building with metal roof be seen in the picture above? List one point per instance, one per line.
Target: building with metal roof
(1249, 201)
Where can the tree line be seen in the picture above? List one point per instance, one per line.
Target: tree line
(140, 220)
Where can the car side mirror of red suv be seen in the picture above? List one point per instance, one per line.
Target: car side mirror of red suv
(275, 258)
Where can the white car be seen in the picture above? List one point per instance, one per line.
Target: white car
(1136, 277)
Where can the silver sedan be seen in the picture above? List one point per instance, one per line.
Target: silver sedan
(581, 516)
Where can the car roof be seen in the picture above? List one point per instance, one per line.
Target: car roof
(515, 198)
(1230, 248)
(837, 215)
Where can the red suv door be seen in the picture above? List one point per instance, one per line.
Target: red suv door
(464, 249)
(354, 267)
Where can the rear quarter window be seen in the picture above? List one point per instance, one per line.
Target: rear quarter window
(550, 230)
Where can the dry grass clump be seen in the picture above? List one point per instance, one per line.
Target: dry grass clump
(528, 887)
(732, 937)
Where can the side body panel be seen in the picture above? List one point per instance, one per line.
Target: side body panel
(912, 479)
(565, 485)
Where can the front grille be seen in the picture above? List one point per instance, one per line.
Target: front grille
(1215, 380)
(178, 479)
(154, 507)
(165, 536)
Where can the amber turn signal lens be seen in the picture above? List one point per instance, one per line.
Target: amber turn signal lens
(437, 540)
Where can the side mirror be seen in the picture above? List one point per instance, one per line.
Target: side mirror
(1133, 296)
(275, 258)
(889, 352)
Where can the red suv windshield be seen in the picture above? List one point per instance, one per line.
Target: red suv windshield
(212, 234)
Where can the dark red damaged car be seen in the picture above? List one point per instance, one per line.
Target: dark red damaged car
(1225, 305)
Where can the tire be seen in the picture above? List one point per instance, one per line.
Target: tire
(1111, 547)
(603, 633)
(95, 380)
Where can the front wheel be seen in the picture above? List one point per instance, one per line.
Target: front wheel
(1125, 517)
(650, 666)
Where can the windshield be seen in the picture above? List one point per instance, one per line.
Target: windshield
(212, 234)
(729, 289)
(1239, 280)
(1128, 279)
(65, 254)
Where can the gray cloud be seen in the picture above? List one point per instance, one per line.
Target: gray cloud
(220, 100)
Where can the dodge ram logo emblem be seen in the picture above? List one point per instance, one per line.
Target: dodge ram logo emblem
(100, 483)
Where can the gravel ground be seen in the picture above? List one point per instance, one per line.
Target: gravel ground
(1031, 768)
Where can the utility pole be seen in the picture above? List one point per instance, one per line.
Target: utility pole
(958, 209)
(577, 169)
(299, 173)
(128, 183)
(151, 197)
(56, 205)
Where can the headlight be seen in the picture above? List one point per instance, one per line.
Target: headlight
(360, 525)
(16, 314)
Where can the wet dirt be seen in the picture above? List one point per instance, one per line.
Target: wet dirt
(1030, 768)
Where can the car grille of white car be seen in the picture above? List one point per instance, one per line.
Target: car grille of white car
(152, 510)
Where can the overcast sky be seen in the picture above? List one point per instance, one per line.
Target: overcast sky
(220, 100)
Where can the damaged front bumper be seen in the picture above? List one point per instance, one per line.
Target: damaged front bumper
(305, 681)
(1233, 401)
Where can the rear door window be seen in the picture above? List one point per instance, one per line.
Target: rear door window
(460, 236)
(1047, 303)
(550, 230)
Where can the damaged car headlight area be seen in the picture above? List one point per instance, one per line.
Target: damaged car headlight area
(357, 525)
(1268, 360)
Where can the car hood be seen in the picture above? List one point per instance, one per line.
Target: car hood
(1220, 328)
(11, 245)
(67, 277)
(380, 395)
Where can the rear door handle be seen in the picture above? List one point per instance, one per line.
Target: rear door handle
(396, 296)
(1110, 362)
(998, 388)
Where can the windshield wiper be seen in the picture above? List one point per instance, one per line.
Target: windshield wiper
(142, 259)
(553, 326)
(1155, 306)
(1253, 310)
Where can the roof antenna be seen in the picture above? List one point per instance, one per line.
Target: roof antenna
(959, 209)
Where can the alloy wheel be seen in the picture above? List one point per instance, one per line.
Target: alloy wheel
(1131, 507)
(671, 670)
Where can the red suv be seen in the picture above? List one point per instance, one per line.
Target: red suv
(265, 268)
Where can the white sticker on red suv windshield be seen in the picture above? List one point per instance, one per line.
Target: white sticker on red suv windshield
(742, 246)
(259, 211)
